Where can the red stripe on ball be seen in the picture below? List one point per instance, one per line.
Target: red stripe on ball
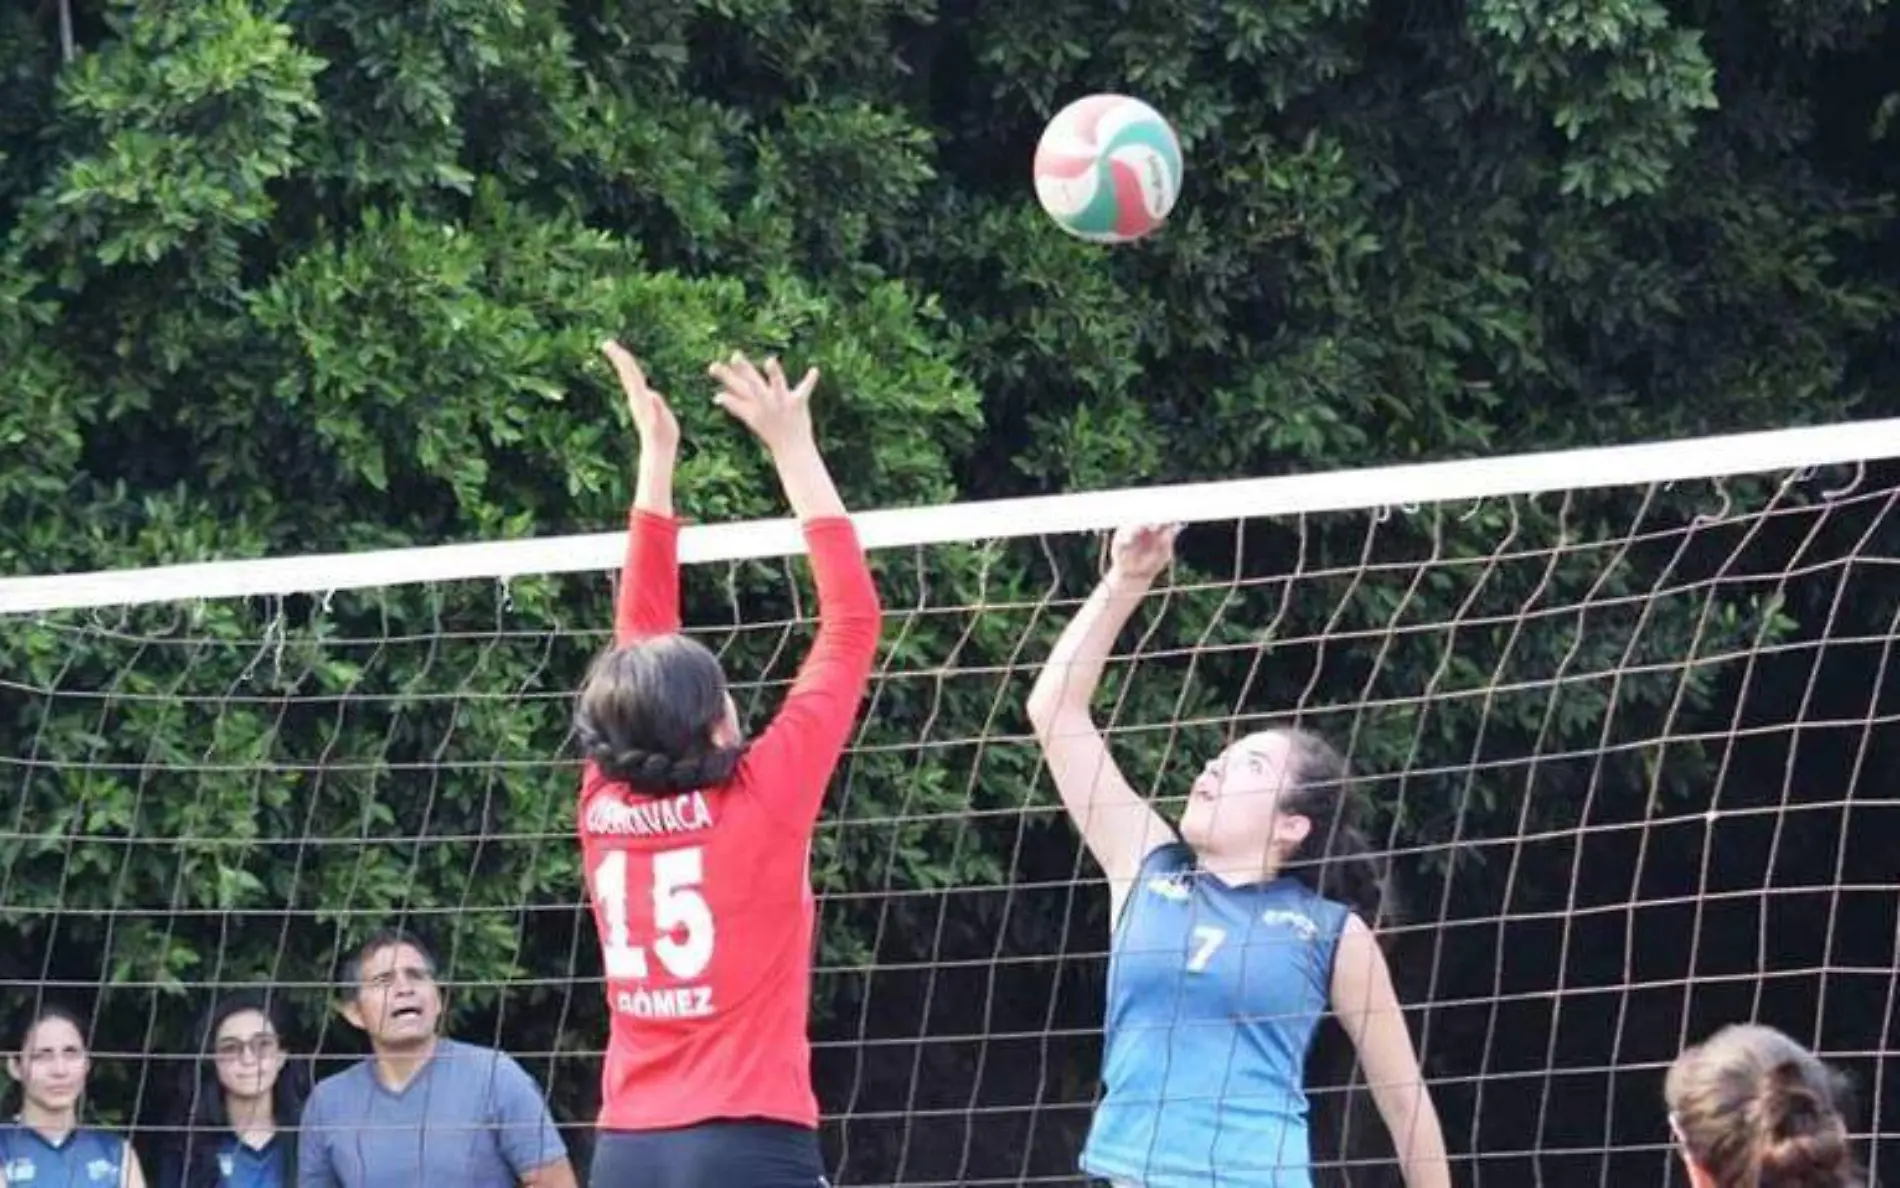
(1131, 203)
(1088, 114)
(1053, 163)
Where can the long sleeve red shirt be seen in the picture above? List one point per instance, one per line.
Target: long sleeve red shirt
(703, 898)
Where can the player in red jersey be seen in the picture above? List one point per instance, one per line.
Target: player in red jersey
(697, 843)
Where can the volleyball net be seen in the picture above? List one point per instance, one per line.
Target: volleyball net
(1623, 719)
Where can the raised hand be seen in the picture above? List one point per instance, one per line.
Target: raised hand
(651, 417)
(778, 415)
(1139, 552)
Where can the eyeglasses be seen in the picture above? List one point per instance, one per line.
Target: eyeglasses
(260, 1046)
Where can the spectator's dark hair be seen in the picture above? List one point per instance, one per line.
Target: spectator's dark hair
(383, 938)
(647, 712)
(43, 1013)
(1754, 1109)
(200, 1121)
(1335, 859)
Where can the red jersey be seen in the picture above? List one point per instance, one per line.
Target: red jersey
(703, 898)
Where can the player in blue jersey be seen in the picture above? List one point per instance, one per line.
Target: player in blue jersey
(234, 1120)
(44, 1145)
(1230, 943)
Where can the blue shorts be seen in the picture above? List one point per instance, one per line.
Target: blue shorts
(753, 1152)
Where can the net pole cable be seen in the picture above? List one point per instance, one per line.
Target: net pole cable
(1620, 722)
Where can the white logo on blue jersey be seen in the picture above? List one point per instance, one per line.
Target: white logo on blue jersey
(102, 1169)
(1297, 921)
(1171, 887)
(20, 1171)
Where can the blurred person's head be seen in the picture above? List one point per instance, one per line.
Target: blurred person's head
(1750, 1108)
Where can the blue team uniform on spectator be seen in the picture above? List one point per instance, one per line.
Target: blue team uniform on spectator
(245, 1166)
(84, 1159)
(240, 1165)
(1214, 995)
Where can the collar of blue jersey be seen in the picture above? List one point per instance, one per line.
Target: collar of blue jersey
(235, 1142)
(41, 1139)
(1195, 870)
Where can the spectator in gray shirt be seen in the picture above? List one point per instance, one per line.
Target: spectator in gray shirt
(423, 1110)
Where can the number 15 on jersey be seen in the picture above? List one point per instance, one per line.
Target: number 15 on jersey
(682, 919)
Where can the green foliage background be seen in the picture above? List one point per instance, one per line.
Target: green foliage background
(286, 277)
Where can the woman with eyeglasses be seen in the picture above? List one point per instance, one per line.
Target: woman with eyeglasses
(239, 1103)
(1751, 1108)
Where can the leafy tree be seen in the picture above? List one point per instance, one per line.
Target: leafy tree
(290, 276)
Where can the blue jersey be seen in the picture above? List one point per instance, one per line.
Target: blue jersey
(243, 1166)
(237, 1165)
(1214, 994)
(84, 1159)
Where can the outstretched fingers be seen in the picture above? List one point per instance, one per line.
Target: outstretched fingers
(803, 391)
(758, 396)
(625, 366)
(776, 375)
(739, 375)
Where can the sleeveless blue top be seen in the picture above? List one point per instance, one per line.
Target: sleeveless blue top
(86, 1159)
(239, 1165)
(245, 1166)
(1214, 994)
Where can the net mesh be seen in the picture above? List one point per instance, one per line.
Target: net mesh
(1629, 749)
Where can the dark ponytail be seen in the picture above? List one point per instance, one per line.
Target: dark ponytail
(1335, 859)
(647, 713)
(1754, 1109)
(1338, 861)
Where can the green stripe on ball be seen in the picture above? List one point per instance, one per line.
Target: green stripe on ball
(1154, 136)
(1099, 216)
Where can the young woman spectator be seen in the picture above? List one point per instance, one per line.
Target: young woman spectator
(234, 1120)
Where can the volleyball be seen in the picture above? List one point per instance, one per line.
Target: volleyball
(1108, 169)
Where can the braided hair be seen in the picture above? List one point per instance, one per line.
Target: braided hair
(1755, 1109)
(647, 713)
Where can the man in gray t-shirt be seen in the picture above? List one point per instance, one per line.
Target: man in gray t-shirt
(423, 1110)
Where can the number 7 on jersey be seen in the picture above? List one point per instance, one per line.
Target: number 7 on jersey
(682, 919)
